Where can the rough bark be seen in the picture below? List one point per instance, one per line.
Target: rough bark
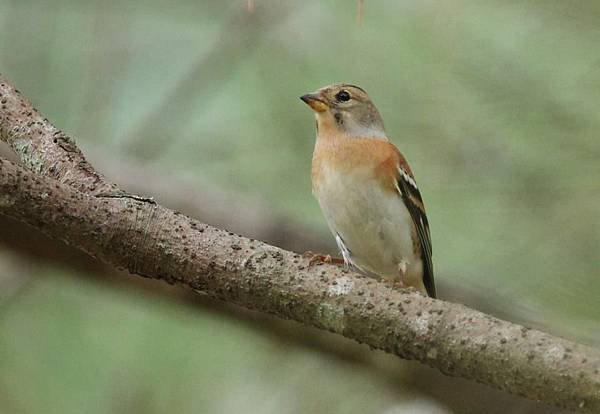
(153, 241)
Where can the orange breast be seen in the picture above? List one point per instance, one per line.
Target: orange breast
(357, 155)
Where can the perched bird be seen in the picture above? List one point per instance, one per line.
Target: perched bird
(367, 191)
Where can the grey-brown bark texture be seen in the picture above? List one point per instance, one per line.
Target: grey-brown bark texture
(60, 194)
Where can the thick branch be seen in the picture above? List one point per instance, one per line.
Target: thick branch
(153, 241)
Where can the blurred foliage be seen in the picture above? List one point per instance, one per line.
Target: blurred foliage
(495, 103)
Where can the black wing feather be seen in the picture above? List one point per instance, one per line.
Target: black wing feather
(409, 194)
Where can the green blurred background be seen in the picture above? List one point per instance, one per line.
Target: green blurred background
(495, 104)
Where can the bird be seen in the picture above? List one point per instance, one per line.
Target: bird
(367, 191)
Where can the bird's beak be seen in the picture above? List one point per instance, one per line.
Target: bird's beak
(315, 101)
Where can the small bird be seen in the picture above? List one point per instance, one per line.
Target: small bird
(367, 191)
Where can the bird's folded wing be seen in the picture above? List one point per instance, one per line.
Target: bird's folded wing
(414, 203)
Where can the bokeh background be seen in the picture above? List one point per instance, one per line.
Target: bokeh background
(495, 103)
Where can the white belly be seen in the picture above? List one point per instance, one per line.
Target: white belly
(374, 225)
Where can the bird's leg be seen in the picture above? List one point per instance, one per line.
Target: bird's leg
(399, 283)
(317, 258)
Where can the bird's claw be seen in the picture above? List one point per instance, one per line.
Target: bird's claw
(317, 259)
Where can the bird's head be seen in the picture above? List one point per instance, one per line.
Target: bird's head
(347, 109)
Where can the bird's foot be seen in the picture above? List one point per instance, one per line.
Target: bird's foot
(399, 282)
(317, 259)
(396, 283)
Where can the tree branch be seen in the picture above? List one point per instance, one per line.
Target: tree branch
(156, 242)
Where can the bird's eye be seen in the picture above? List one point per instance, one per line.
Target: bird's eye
(343, 96)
